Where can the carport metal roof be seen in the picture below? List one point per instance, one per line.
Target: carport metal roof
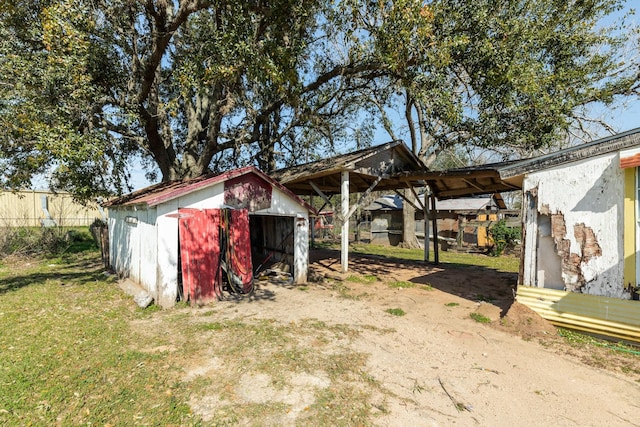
(390, 166)
(469, 181)
(394, 167)
(385, 165)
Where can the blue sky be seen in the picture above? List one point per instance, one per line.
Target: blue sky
(621, 118)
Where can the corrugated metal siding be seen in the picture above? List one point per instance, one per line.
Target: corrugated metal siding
(611, 317)
(24, 209)
(148, 250)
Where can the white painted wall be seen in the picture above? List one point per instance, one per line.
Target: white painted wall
(147, 250)
(132, 250)
(119, 247)
(590, 192)
(301, 249)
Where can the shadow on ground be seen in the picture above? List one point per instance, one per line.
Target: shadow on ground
(475, 283)
(76, 272)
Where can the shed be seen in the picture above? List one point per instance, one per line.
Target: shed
(386, 222)
(169, 237)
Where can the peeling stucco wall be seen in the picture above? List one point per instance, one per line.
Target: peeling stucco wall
(571, 262)
(584, 203)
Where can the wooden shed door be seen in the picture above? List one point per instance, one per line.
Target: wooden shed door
(200, 254)
(239, 248)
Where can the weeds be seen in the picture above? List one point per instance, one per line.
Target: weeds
(44, 241)
(479, 318)
(578, 339)
(395, 311)
(362, 279)
(601, 353)
(402, 285)
(344, 291)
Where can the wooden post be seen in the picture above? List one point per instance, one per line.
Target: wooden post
(104, 245)
(344, 249)
(426, 213)
(434, 224)
(312, 224)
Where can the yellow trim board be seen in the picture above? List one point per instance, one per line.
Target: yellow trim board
(629, 221)
(612, 317)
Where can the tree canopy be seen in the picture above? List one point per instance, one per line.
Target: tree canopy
(87, 87)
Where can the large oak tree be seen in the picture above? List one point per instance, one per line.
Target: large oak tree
(191, 86)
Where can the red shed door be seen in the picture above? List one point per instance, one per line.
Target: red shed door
(200, 254)
(240, 247)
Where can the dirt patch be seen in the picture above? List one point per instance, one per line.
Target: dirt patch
(337, 346)
(526, 323)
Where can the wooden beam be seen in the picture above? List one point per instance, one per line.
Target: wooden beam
(363, 197)
(471, 184)
(413, 190)
(321, 194)
(466, 191)
(416, 207)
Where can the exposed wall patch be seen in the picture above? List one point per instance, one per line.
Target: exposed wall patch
(572, 262)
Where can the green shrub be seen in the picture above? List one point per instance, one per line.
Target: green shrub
(503, 237)
(40, 241)
(395, 311)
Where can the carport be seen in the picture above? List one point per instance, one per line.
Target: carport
(391, 167)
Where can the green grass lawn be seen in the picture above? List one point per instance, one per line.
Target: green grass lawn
(68, 354)
(505, 263)
(76, 350)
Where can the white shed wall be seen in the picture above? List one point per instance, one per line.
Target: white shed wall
(167, 250)
(586, 196)
(147, 251)
(132, 234)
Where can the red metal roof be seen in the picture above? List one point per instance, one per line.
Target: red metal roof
(165, 191)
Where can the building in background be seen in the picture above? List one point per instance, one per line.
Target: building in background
(462, 222)
(35, 208)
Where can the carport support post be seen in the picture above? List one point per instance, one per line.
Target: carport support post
(425, 214)
(312, 224)
(434, 223)
(344, 250)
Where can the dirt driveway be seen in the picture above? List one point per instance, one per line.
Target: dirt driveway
(437, 365)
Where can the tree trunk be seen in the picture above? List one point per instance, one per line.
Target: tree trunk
(409, 239)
